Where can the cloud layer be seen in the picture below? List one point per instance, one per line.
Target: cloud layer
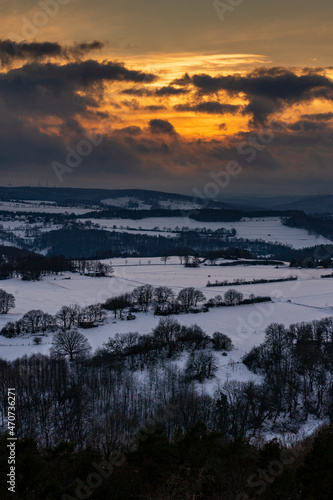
(126, 127)
(11, 51)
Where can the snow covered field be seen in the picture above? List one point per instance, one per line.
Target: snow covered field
(306, 299)
(269, 229)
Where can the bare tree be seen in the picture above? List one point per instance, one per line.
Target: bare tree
(74, 314)
(200, 366)
(47, 322)
(143, 295)
(186, 259)
(198, 297)
(162, 294)
(189, 297)
(68, 316)
(63, 317)
(93, 312)
(7, 301)
(218, 300)
(70, 343)
(232, 297)
(221, 342)
(118, 303)
(32, 320)
(166, 333)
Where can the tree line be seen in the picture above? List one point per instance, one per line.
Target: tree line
(36, 321)
(240, 281)
(141, 299)
(165, 302)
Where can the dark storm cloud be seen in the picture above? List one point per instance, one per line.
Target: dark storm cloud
(183, 81)
(140, 92)
(53, 89)
(306, 126)
(35, 90)
(267, 90)
(154, 108)
(135, 105)
(212, 107)
(169, 91)
(133, 153)
(39, 51)
(151, 147)
(318, 116)
(131, 130)
(158, 126)
(80, 49)
(275, 83)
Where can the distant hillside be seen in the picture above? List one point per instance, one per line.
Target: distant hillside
(124, 198)
(315, 204)
(321, 204)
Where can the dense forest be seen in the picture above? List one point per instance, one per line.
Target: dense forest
(314, 225)
(77, 242)
(202, 214)
(29, 265)
(95, 405)
(188, 465)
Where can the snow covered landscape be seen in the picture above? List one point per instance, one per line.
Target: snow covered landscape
(267, 228)
(255, 281)
(306, 299)
(166, 250)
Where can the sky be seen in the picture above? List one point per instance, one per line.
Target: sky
(197, 97)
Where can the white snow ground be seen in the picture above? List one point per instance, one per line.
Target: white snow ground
(304, 300)
(307, 299)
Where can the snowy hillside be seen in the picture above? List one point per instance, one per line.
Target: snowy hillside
(136, 203)
(269, 229)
